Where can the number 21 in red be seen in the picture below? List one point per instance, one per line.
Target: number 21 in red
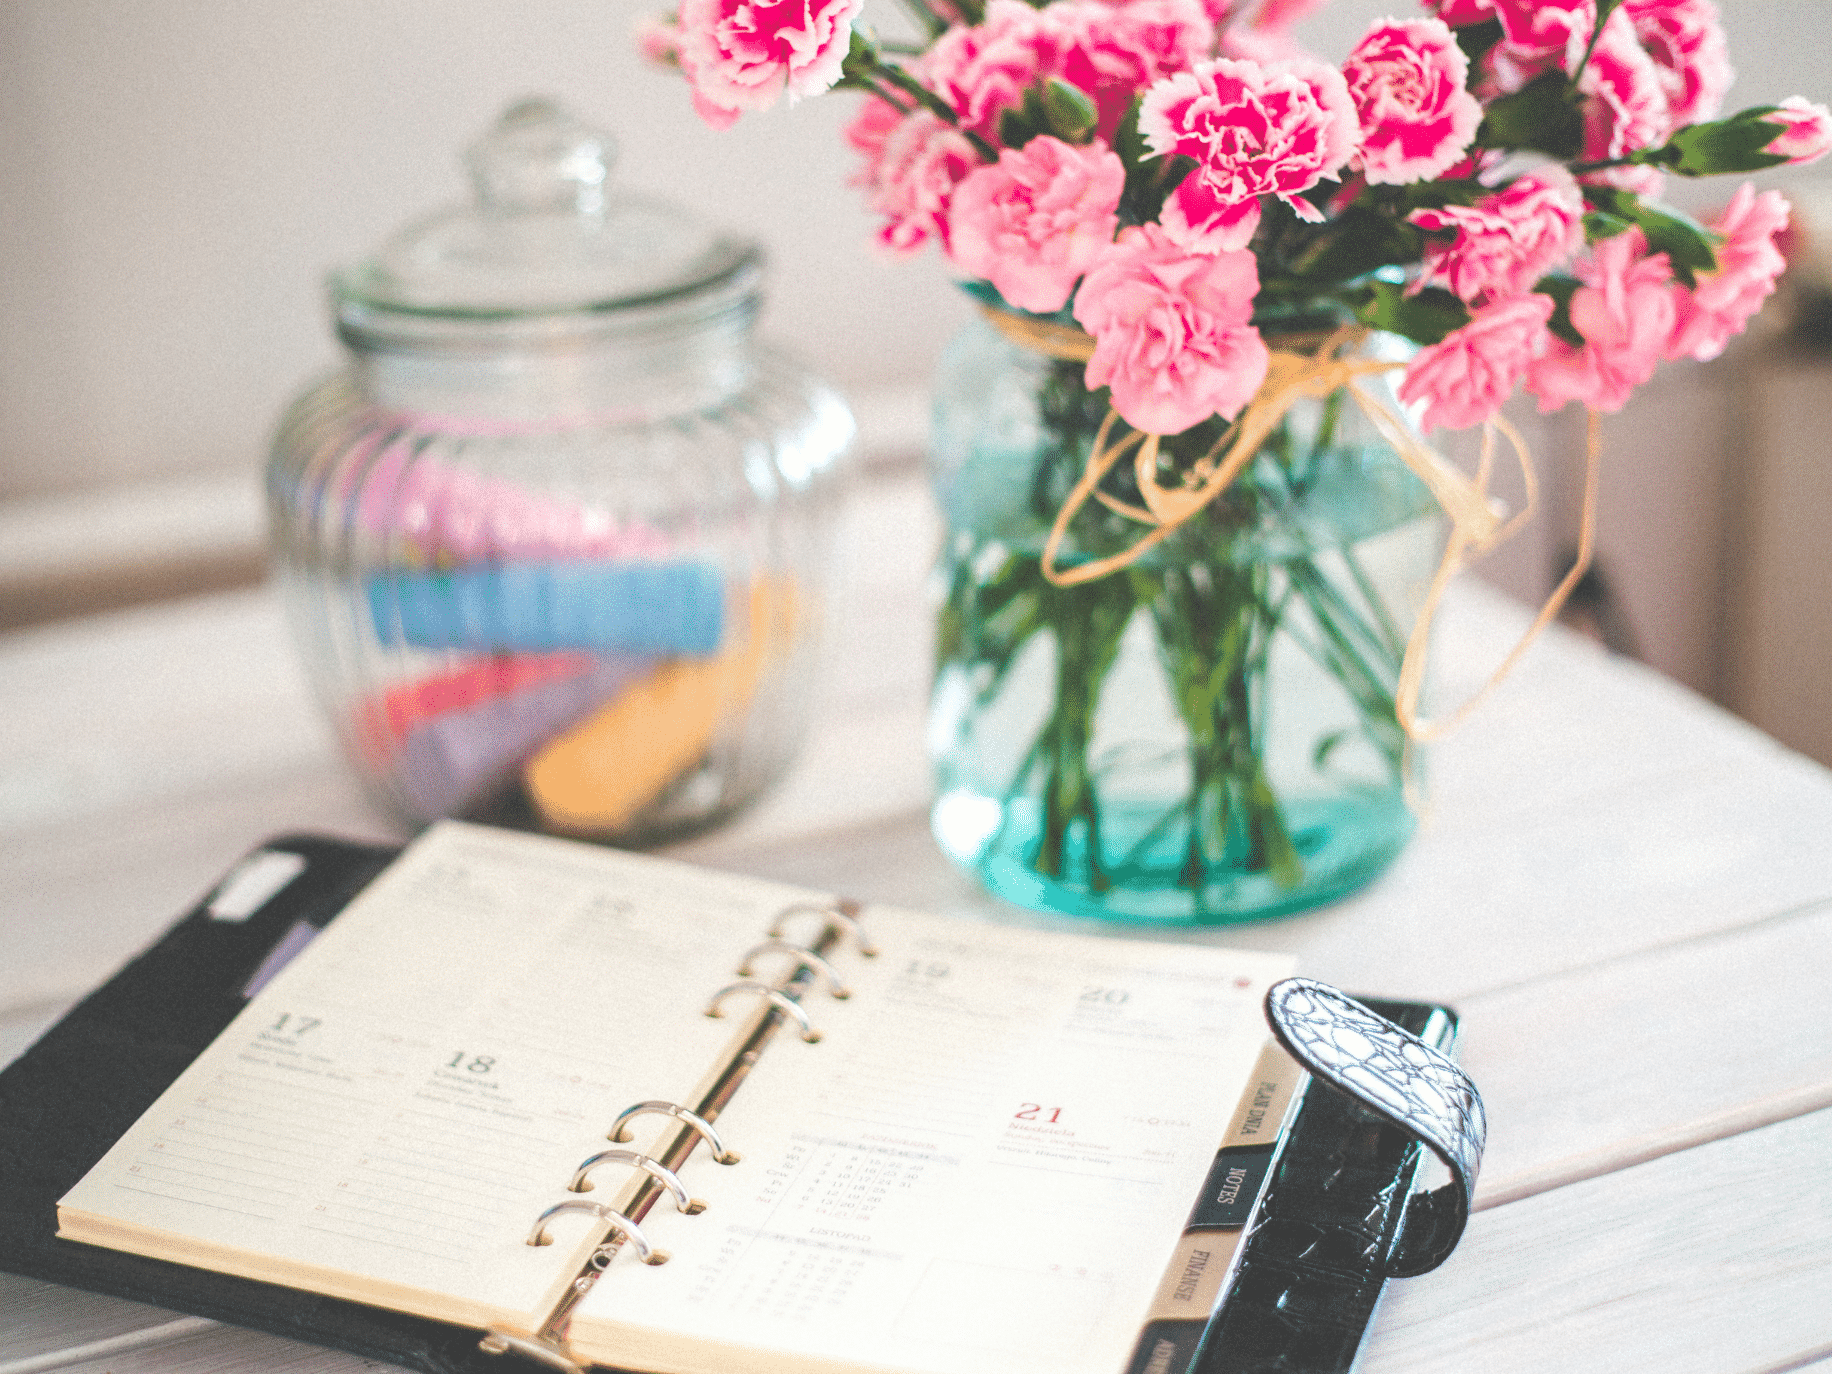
(1031, 1111)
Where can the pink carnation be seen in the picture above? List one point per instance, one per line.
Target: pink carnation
(1625, 313)
(1461, 13)
(1173, 331)
(1537, 36)
(743, 54)
(1686, 42)
(1253, 130)
(1808, 135)
(1112, 52)
(1465, 379)
(1505, 242)
(1407, 83)
(912, 165)
(1626, 108)
(658, 40)
(983, 68)
(1033, 222)
(1747, 264)
(1277, 15)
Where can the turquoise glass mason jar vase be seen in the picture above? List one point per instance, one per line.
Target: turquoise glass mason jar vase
(1208, 733)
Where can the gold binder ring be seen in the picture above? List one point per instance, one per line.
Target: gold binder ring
(618, 1134)
(632, 1233)
(656, 1170)
(497, 1341)
(784, 1003)
(804, 958)
(833, 916)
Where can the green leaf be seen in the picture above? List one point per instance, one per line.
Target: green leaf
(1067, 112)
(1600, 224)
(1476, 40)
(1015, 127)
(1689, 246)
(1424, 318)
(1540, 115)
(1561, 289)
(1435, 195)
(1357, 242)
(1737, 144)
(1128, 142)
(861, 53)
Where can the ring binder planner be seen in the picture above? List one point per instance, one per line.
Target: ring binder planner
(661, 1173)
(807, 958)
(619, 1128)
(983, 1166)
(784, 1003)
(833, 916)
(626, 1229)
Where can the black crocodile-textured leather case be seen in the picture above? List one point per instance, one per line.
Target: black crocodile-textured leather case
(1317, 1254)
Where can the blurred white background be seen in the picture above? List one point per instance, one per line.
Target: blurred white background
(177, 176)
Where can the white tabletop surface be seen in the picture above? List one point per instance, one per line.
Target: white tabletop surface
(1626, 892)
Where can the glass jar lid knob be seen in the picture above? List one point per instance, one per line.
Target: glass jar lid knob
(538, 159)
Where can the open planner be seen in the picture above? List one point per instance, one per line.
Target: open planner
(609, 1108)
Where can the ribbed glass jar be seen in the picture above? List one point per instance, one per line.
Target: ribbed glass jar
(553, 542)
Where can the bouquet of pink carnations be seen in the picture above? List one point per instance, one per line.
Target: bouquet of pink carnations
(1196, 226)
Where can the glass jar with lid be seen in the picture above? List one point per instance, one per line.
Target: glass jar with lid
(553, 541)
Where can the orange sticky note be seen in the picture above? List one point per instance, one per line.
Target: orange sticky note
(598, 775)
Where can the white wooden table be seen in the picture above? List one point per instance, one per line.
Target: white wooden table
(1627, 893)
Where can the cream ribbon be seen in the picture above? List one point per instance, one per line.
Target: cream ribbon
(1475, 526)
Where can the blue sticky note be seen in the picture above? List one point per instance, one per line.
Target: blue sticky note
(637, 607)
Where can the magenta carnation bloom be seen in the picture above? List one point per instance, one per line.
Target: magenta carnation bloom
(1505, 242)
(1626, 109)
(1407, 82)
(1173, 331)
(1253, 130)
(1537, 36)
(1465, 379)
(1747, 264)
(1038, 218)
(1625, 313)
(913, 163)
(983, 68)
(1686, 42)
(1458, 13)
(1111, 52)
(743, 54)
(1808, 136)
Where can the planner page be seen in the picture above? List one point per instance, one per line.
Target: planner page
(984, 1164)
(387, 1118)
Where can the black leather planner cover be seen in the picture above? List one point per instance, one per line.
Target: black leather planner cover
(1306, 1291)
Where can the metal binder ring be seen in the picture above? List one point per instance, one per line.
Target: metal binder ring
(661, 1173)
(784, 1003)
(804, 957)
(632, 1233)
(699, 1123)
(497, 1341)
(834, 917)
